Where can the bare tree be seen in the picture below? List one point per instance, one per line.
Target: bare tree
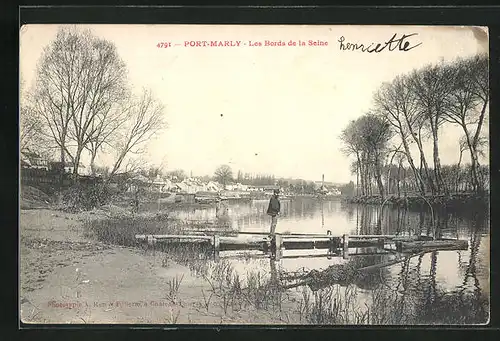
(240, 176)
(79, 78)
(223, 174)
(30, 124)
(104, 127)
(375, 135)
(467, 105)
(431, 86)
(354, 169)
(393, 152)
(367, 139)
(397, 104)
(144, 119)
(351, 145)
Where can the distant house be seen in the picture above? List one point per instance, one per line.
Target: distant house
(136, 182)
(162, 185)
(25, 164)
(213, 187)
(69, 168)
(263, 187)
(192, 186)
(335, 191)
(319, 184)
(327, 190)
(241, 187)
(237, 187)
(183, 187)
(322, 190)
(268, 189)
(33, 160)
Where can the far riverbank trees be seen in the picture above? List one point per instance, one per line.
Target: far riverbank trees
(386, 145)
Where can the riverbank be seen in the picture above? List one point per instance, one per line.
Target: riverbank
(68, 276)
(458, 201)
(86, 268)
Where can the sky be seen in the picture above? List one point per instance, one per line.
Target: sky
(264, 109)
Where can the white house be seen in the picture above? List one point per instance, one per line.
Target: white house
(240, 187)
(189, 186)
(33, 160)
(213, 187)
(335, 191)
(161, 185)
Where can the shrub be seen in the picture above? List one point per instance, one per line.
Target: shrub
(85, 197)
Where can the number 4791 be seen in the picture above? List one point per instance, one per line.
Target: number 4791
(164, 45)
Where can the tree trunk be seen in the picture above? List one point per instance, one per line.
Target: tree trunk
(441, 186)
(423, 162)
(76, 160)
(63, 156)
(358, 175)
(357, 181)
(480, 124)
(418, 178)
(93, 155)
(389, 189)
(473, 158)
(405, 183)
(362, 176)
(399, 180)
(378, 177)
(459, 172)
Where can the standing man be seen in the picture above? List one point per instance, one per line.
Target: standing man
(274, 210)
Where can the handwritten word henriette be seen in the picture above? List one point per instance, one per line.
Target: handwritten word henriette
(392, 44)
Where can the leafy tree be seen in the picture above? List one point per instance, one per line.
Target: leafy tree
(223, 174)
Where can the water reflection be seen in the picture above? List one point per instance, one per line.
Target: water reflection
(443, 287)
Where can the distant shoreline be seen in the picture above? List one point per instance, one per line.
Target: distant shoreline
(451, 201)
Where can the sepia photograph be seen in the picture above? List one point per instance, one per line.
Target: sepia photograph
(274, 175)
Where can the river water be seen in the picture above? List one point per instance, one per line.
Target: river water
(440, 287)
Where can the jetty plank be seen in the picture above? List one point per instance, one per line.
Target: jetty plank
(171, 236)
(433, 244)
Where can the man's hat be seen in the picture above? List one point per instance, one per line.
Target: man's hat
(276, 191)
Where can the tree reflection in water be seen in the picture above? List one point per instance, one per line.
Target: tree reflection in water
(411, 292)
(414, 297)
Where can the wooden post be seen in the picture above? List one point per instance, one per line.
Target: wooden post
(151, 243)
(345, 244)
(381, 242)
(216, 247)
(278, 240)
(399, 246)
(151, 240)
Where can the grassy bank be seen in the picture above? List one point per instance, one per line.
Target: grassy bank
(69, 277)
(120, 229)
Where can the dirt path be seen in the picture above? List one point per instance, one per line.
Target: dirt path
(68, 278)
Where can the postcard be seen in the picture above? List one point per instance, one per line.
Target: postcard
(254, 174)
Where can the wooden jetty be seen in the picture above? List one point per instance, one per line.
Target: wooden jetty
(297, 241)
(445, 244)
